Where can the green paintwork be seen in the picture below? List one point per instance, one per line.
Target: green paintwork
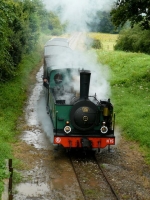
(61, 112)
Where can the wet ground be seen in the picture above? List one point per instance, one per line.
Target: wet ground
(45, 174)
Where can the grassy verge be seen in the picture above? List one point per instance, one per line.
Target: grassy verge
(130, 81)
(13, 94)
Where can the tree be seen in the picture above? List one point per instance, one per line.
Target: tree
(21, 22)
(134, 40)
(135, 11)
(102, 23)
(54, 24)
(6, 19)
(105, 25)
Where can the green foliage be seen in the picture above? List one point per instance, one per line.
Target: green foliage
(96, 44)
(18, 34)
(21, 25)
(17, 177)
(12, 97)
(4, 154)
(102, 23)
(54, 25)
(130, 93)
(136, 11)
(106, 25)
(7, 16)
(134, 40)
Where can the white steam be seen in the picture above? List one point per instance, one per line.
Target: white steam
(100, 74)
(78, 13)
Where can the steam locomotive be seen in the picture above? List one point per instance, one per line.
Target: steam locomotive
(79, 120)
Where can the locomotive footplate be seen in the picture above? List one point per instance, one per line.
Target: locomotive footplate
(80, 142)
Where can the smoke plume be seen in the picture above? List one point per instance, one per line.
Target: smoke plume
(78, 13)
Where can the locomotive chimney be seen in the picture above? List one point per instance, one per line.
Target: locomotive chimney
(84, 83)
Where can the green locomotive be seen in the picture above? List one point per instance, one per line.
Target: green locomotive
(79, 120)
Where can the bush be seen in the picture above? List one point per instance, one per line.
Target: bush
(134, 40)
(21, 23)
(96, 44)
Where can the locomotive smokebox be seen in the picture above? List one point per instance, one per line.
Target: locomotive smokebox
(84, 83)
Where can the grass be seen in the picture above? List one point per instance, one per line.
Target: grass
(13, 95)
(130, 83)
(130, 86)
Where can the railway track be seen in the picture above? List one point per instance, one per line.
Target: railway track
(93, 181)
(74, 39)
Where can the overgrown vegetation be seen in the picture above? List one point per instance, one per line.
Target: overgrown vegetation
(92, 42)
(130, 83)
(21, 25)
(96, 44)
(12, 96)
(134, 11)
(136, 14)
(134, 40)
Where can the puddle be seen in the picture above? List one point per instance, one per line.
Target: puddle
(37, 119)
(36, 139)
(31, 110)
(38, 133)
(30, 189)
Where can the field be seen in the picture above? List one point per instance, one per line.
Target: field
(130, 86)
(108, 40)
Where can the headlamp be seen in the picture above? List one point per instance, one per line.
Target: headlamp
(67, 129)
(104, 128)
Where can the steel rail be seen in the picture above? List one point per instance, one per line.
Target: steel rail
(107, 180)
(104, 174)
(77, 177)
